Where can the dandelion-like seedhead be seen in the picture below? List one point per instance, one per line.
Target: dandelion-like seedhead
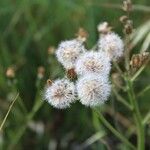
(93, 90)
(90, 68)
(68, 52)
(93, 62)
(112, 44)
(61, 93)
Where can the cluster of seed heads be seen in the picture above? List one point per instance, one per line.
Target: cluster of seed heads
(92, 67)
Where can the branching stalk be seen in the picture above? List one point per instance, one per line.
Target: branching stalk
(114, 131)
(146, 119)
(137, 117)
(122, 100)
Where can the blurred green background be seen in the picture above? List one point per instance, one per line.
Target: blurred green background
(27, 29)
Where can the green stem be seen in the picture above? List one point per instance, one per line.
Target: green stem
(122, 100)
(137, 117)
(96, 137)
(138, 73)
(118, 68)
(10, 107)
(147, 88)
(146, 119)
(127, 53)
(114, 131)
(29, 117)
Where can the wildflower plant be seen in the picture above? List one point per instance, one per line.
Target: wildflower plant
(89, 72)
(102, 78)
(92, 69)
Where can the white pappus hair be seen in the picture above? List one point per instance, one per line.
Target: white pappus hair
(68, 52)
(93, 62)
(112, 44)
(61, 93)
(93, 90)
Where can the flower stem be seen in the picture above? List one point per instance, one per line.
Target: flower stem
(137, 117)
(138, 73)
(38, 104)
(122, 100)
(10, 107)
(146, 119)
(114, 131)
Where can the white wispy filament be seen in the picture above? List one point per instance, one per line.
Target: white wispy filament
(68, 52)
(93, 90)
(112, 44)
(93, 62)
(61, 93)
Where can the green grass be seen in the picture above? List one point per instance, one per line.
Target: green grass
(27, 29)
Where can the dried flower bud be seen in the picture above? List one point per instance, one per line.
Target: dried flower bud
(128, 28)
(127, 5)
(135, 61)
(82, 35)
(10, 73)
(104, 28)
(49, 82)
(51, 50)
(41, 72)
(123, 19)
(138, 60)
(71, 74)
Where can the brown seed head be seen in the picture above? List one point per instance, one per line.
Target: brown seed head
(128, 27)
(123, 19)
(138, 60)
(49, 82)
(71, 74)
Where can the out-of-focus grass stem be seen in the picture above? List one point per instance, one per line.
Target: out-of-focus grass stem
(121, 99)
(29, 117)
(10, 107)
(113, 130)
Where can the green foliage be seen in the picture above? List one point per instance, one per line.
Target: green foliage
(27, 29)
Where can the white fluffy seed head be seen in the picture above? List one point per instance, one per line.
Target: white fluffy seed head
(93, 62)
(68, 52)
(93, 90)
(112, 44)
(61, 93)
